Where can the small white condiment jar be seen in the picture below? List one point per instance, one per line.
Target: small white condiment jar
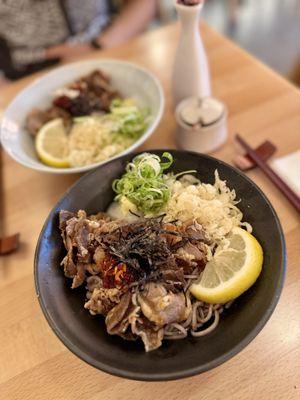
(202, 124)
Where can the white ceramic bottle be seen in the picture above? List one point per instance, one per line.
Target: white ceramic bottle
(190, 72)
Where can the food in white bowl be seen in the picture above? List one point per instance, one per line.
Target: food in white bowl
(56, 125)
(87, 122)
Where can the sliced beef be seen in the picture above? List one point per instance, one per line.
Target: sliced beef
(193, 253)
(93, 282)
(171, 234)
(95, 94)
(35, 120)
(70, 269)
(57, 112)
(172, 278)
(78, 230)
(78, 234)
(150, 334)
(83, 230)
(102, 300)
(116, 315)
(195, 231)
(80, 275)
(100, 217)
(108, 230)
(125, 320)
(64, 217)
(160, 306)
(94, 269)
(99, 256)
(122, 318)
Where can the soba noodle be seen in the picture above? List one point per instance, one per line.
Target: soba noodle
(201, 314)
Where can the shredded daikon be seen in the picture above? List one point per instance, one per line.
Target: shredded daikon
(213, 206)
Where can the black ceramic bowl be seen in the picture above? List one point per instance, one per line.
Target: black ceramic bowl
(85, 335)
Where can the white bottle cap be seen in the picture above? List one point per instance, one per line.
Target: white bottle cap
(202, 124)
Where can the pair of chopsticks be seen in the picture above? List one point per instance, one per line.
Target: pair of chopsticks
(270, 173)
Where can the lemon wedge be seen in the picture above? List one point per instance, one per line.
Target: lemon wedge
(233, 269)
(51, 144)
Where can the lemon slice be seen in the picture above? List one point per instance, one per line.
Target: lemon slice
(233, 269)
(51, 144)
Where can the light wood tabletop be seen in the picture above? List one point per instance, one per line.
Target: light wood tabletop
(35, 365)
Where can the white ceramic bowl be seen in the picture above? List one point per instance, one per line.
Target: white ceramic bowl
(129, 79)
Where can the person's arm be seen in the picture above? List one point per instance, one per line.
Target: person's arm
(16, 63)
(133, 19)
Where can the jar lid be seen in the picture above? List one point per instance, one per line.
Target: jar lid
(200, 112)
(202, 124)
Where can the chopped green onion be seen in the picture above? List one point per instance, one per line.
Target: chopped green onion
(130, 120)
(144, 183)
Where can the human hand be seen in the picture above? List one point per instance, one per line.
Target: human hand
(68, 52)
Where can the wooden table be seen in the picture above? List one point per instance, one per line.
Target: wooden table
(33, 362)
